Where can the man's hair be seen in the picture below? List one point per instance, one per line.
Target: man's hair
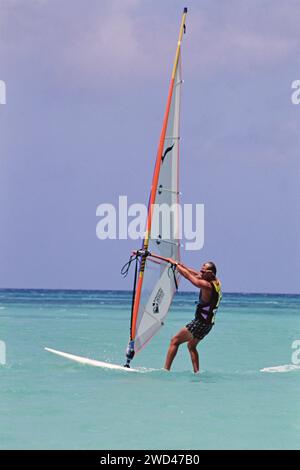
(212, 267)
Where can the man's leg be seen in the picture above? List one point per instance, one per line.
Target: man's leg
(192, 347)
(182, 336)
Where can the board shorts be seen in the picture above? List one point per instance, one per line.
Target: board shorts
(199, 328)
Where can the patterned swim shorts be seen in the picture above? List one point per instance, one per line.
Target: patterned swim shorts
(198, 328)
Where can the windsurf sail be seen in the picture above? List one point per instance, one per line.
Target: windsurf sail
(156, 280)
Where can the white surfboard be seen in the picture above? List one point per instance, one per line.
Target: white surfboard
(90, 362)
(284, 368)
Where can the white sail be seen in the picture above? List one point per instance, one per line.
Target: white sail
(156, 282)
(159, 285)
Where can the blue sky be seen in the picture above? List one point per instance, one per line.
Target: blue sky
(86, 90)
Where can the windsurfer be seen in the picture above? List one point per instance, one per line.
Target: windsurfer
(209, 299)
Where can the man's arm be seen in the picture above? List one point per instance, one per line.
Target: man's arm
(196, 281)
(191, 270)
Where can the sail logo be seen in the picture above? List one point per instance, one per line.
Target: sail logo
(295, 98)
(2, 92)
(157, 300)
(296, 353)
(2, 353)
(169, 224)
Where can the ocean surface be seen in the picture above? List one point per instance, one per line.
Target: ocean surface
(48, 402)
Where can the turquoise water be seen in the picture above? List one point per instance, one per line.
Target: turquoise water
(47, 402)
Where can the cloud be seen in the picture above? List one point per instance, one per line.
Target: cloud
(233, 38)
(92, 41)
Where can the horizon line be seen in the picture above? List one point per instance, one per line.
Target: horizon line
(129, 290)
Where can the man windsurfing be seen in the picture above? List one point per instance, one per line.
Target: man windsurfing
(209, 299)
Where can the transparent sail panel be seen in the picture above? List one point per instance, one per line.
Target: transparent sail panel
(157, 294)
